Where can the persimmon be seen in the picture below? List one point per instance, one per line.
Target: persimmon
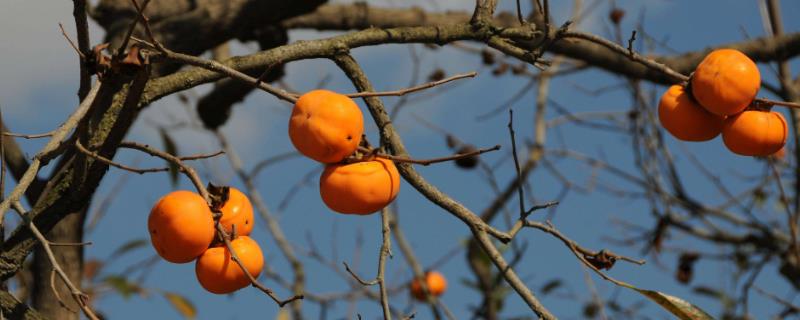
(755, 133)
(181, 226)
(361, 187)
(436, 282)
(685, 119)
(725, 82)
(218, 273)
(326, 126)
(237, 210)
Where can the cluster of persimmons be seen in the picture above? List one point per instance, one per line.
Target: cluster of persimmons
(182, 229)
(719, 99)
(327, 127)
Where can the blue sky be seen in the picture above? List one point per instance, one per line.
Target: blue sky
(37, 92)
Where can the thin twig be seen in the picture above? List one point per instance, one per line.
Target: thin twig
(82, 31)
(61, 302)
(28, 136)
(789, 305)
(519, 14)
(72, 44)
(630, 42)
(355, 276)
(628, 53)
(80, 298)
(414, 88)
(140, 17)
(187, 170)
(272, 224)
(253, 281)
(582, 253)
(778, 103)
(426, 162)
(110, 162)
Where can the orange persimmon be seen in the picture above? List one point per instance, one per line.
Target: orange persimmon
(181, 226)
(361, 187)
(218, 273)
(326, 126)
(435, 281)
(725, 82)
(755, 133)
(685, 119)
(237, 210)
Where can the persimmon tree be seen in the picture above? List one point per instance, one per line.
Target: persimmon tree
(157, 49)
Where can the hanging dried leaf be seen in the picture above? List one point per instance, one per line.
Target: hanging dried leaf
(677, 306)
(181, 304)
(171, 148)
(121, 285)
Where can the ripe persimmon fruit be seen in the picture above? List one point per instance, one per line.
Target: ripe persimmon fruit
(436, 285)
(326, 126)
(218, 273)
(685, 119)
(239, 211)
(725, 82)
(755, 133)
(181, 226)
(361, 187)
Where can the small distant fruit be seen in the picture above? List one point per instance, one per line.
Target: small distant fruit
(436, 282)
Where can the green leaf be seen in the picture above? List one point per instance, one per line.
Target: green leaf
(171, 148)
(181, 304)
(127, 247)
(677, 306)
(122, 286)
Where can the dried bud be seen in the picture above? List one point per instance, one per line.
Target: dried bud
(219, 196)
(501, 69)
(468, 162)
(487, 57)
(602, 260)
(616, 15)
(519, 69)
(590, 310)
(686, 267)
(133, 58)
(436, 75)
